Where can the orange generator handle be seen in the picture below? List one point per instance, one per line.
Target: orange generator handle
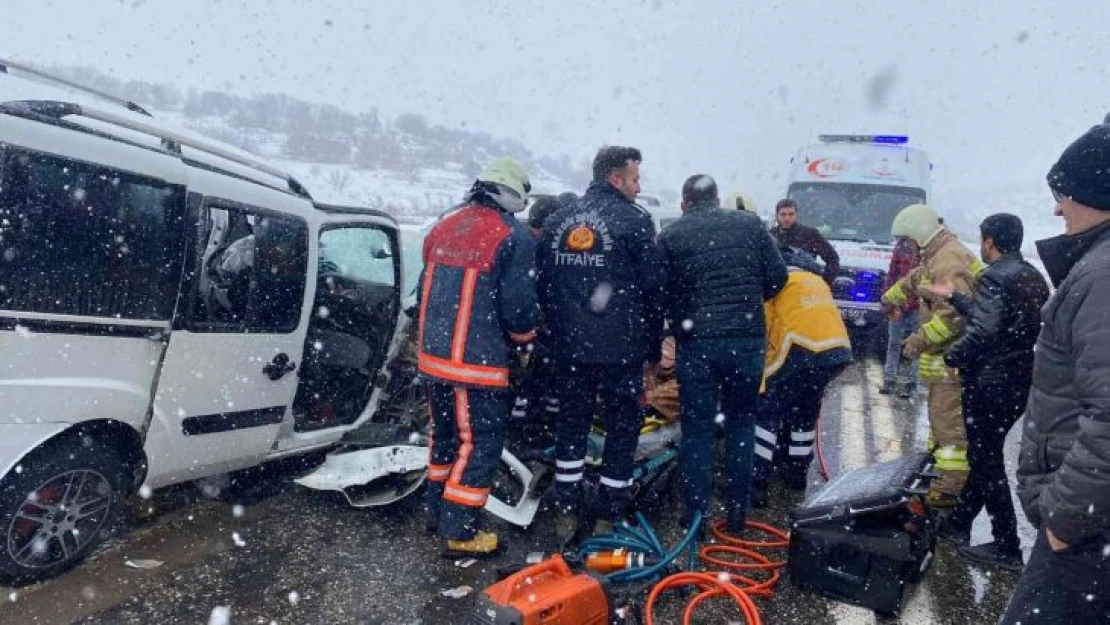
(509, 588)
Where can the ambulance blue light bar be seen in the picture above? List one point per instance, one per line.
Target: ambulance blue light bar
(881, 139)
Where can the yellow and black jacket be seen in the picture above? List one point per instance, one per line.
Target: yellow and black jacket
(804, 327)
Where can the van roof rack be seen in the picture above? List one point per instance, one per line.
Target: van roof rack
(171, 140)
(26, 71)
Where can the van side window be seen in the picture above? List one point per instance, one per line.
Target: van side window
(252, 273)
(80, 239)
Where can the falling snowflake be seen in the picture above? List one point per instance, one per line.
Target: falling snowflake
(237, 511)
(599, 301)
(145, 491)
(239, 542)
(294, 597)
(220, 616)
(687, 324)
(720, 418)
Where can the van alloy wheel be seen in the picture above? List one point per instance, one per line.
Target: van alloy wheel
(60, 519)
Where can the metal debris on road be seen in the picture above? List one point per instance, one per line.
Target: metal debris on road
(457, 593)
(144, 565)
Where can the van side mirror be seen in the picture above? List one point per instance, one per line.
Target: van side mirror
(382, 253)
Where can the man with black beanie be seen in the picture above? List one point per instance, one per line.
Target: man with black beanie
(1064, 468)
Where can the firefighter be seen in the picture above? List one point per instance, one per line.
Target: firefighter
(477, 301)
(599, 280)
(807, 347)
(942, 258)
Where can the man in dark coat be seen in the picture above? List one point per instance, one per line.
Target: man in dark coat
(995, 356)
(721, 267)
(1064, 467)
(599, 280)
(790, 233)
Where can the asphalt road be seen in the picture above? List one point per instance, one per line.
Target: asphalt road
(268, 551)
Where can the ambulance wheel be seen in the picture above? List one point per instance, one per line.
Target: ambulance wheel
(57, 505)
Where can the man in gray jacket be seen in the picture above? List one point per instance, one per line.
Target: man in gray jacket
(1064, 469)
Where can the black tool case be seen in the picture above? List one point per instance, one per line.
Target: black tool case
(866, 535)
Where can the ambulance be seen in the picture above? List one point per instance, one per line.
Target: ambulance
(850, 188)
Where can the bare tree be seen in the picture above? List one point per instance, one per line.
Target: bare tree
(339, 179)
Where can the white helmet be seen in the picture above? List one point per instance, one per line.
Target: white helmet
(917, 222)
(506, 183)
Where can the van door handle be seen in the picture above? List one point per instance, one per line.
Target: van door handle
(278, 367)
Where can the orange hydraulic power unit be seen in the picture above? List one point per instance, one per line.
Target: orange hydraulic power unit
(547, 593)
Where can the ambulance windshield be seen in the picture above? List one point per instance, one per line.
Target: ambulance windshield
(852, 212)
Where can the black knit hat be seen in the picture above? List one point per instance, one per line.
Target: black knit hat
(1083, 171)
(541, 209)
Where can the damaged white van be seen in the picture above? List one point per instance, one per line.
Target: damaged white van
(171, 308)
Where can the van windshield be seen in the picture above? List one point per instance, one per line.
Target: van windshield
(852, 212)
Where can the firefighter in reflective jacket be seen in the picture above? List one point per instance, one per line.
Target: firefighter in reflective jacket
(807, 347)
(943, 258)
(477, 301)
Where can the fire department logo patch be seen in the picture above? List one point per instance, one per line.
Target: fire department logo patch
(581, 238)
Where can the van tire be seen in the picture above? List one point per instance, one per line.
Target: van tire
(73, 522)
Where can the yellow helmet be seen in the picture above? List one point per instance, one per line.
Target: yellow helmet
(739, 201)
(917, 222)
(506, 182)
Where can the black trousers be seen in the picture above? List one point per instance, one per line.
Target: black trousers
(1069, 587)
(577, 388)
(991, 407)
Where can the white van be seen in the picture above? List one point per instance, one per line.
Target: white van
(850, 187)
(170, 309)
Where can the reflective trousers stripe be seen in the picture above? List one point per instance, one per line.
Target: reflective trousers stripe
(439, 472)
(611, 483)
(765, 434)
(466, 496)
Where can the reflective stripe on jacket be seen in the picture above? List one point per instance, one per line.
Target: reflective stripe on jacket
(804, 315)
(477, 297)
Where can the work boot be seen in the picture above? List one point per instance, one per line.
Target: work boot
(989, 554)
(566, 524)
(908, 391)
(946, 531)
(797, 480)
(736, 521)
(759, 496)
(603, 527)
(887, 388)
(483, 545)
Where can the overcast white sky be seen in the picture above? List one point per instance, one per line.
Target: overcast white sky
(992, 89)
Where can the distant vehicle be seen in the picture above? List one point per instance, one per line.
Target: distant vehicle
(171, 309)
(662, 214)
(850, 187)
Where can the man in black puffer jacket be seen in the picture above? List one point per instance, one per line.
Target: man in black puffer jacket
(1064, 468)
(721, 266)
(995, 358)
